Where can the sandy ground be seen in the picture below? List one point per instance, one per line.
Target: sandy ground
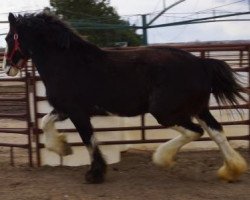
(135, 177)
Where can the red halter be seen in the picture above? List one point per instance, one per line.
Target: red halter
(16, 48)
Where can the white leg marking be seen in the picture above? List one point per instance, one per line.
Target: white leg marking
(165, 153)
(54, 140)
(234, 164)
(92, 147)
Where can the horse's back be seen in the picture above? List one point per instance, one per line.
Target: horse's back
(149, 79)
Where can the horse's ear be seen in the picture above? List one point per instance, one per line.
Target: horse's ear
(12, 19)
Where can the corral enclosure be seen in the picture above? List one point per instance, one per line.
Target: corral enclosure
(23, 103)
(193, 177)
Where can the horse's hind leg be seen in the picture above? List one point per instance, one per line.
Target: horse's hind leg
(54, 140)
(97, 171)
(234, 164)
(166, 152)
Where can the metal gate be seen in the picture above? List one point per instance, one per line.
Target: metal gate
(236, 55)
(16, 133)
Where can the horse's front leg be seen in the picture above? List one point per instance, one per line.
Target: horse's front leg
(55, 141)
(98, 167)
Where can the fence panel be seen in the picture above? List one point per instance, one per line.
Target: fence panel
(16, 126)
(115, 134)
(137, 131)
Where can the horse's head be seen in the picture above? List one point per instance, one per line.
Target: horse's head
(16, 54)
(36, 35)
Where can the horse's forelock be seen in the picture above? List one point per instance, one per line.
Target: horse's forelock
(43, 24)
(54, 31)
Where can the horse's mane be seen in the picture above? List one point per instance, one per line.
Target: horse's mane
(55, 31)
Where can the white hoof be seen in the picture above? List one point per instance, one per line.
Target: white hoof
(59, 145)
(48, 122)
(164, 158)
(233, 168)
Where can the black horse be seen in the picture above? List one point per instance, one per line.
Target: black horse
(171, 84)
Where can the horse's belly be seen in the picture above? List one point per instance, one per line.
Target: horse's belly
(129, 108)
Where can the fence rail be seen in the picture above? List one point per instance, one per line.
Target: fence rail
(236, 55)
(10, 100)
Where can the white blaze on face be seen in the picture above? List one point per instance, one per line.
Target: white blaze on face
(4, 59)
(9, 70)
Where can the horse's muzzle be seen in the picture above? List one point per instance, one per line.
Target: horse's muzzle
(10, 70)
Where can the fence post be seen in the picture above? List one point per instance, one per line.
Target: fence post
(248, 51)
(144, 30)
(28, 113)
(143, 127)
(35, 124)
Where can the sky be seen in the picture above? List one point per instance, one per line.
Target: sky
(130, 10)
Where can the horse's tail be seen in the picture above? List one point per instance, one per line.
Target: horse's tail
(226, 87)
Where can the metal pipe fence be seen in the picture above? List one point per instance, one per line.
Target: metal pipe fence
(236, 55)
(10, 103)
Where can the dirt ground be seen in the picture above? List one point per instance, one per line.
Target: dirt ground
(135, 177)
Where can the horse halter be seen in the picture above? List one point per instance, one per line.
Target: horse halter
(16, 49)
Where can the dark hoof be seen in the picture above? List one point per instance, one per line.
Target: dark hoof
(98, 168)
(95, 177)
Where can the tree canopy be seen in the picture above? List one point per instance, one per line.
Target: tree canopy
(98, 14)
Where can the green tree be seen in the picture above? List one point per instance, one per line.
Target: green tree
(99, 13)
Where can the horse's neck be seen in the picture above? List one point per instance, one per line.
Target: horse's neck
(43, 61)
(50, 62)
(49, 59)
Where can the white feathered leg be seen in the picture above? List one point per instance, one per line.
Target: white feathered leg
(54, 141)
(234, 163)
(164, 155)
